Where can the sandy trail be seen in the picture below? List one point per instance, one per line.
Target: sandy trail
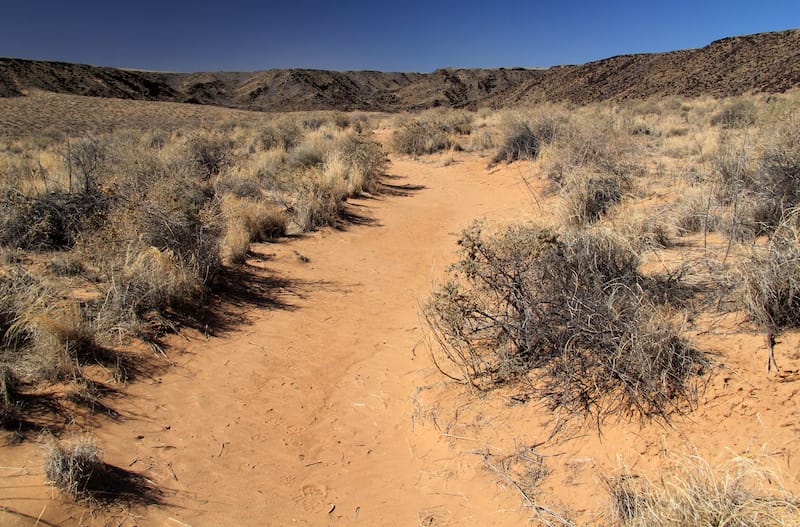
(304, 413)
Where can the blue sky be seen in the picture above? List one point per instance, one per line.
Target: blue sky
(400, 35)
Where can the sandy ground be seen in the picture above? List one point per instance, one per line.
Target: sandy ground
(321, 406)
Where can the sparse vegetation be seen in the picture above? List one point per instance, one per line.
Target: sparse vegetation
(693, 494)
(568, 315)
(147, 221)
(771, 278)
(75, 467)
(111, 237)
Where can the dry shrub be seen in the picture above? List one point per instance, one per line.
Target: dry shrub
(75, 468)
(210, 152)
(696, 211)
(520, 143)
(10, 406)
(181, 217)
(365, 163)
(771, 278)
(739, 113)
(481, 140)
(525, 136)
(310, 153)
(650, 229)
(282, 134)
(248, 221)
(693, 494)
(72, 468)
(318, 201)
(449, 121)
(418, 137)
(150, 280)
(565, 313)
(50, 221)
(41, 333)
(238, 184)
(587, 197)
(777, 182)
(86, 159)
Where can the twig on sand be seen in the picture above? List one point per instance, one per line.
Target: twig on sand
(528, 500)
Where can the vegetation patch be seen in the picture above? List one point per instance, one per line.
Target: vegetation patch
(566, 315)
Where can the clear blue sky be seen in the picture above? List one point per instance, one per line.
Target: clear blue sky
(409, 35)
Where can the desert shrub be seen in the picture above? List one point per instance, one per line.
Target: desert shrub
(238, 184)
(457, 122)
(648, 230)
(306, 155)
(180, 217)
(318, 201)
(210, 152)
(151, 280)
(341, 120)
(586, 197)
(50, 221)
(420, 137)
(66, 265)
(283, 134)
(520, 143)
(693, 494)
(249, 221)
(735, 114)
(734, 168)
(19, 292)
(481, 140)
(366, 162)
(10, 406)
(73, 468)
(777, 179)
(565, 314)
(588, 144)
(86, 158)
(771, 278)
(696, 211)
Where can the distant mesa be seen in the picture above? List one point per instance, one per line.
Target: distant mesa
(764, 62)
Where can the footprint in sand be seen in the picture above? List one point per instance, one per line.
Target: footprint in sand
(312, 497)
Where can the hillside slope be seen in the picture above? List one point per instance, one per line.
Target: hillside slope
(765, 62)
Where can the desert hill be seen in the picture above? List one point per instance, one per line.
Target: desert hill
(765, 62)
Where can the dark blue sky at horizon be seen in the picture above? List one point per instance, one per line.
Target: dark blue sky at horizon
(241, 35)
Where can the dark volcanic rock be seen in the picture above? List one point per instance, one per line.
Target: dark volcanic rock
(766, 62)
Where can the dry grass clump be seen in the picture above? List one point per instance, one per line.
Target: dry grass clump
(42, 334)
(418, 137)
(693, 494)
(210, 152)
(565, 313)
(50, 221)
(526, 135)
(10, 407)
(248, 221)
(587, 197)
(74, 468)
(77, 469)
(739, 113)
(778, 175)
(771, 278)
